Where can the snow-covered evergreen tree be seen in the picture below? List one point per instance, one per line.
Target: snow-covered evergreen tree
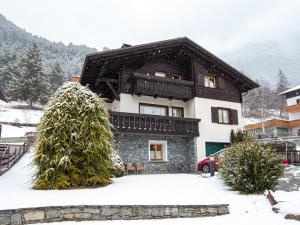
(282, 85)
(9, 69)
(56, 77)
(74, 141)
(31, 85)
(250, 166)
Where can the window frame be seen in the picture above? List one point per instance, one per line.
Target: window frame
(176, 107)
(209, 78)
(154, 105)
(228, 113)
(164, 150)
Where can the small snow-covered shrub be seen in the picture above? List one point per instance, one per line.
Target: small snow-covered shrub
(250, 167)
(118, 168)
(74, 141)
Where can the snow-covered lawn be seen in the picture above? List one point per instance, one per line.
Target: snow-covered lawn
(9, 113)
(16, 192)
(14, 131)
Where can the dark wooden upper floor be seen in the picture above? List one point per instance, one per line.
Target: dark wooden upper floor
(175, 69)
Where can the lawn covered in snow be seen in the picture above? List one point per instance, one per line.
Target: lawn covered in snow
(9, 112)
(16, 192)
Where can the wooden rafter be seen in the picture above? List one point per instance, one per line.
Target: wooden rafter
(113, 90)
(102, 71)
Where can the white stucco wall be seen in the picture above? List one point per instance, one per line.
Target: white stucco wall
(213, 132)
(130, 103)
(294, 115)
(292, 101)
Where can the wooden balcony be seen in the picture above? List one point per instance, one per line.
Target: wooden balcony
(162, 87)
(151, 124)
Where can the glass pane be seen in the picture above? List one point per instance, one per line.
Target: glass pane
(160, 74)
(206, 82)
(153, 110)
(151, 152)
(220, 116)
(212, 82)
(225, 116)
(159, 153)
(177, 112)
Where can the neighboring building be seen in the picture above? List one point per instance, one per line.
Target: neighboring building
(279, 127)
(293, 108)
(2, 96)
(169, 100)
(272, 128)
(75, 79)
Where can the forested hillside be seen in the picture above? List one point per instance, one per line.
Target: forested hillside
(15, 41)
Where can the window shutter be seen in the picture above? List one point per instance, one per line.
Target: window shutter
(234, 117)
(214, 115)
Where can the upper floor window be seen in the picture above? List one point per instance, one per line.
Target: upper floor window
(160, 74)
(298, 101)
(150, 109)
(223, 115)
(210, 82)
(177, 112)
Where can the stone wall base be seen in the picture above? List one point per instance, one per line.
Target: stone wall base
(107, 212)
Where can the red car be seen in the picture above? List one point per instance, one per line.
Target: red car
(203, 166)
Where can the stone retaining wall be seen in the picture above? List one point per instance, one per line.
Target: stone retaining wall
(107, 212)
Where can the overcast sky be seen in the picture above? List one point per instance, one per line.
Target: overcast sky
(217, 25)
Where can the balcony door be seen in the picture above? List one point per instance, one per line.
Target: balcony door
(151, 109)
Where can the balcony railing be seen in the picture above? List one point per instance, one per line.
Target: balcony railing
(152, 124)
(162, 87)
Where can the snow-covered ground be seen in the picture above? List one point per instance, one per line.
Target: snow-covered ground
(8, 113)
(14, 131)
(16, 192)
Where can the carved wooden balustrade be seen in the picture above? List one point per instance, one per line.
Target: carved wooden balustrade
(152, 124)
(162, 87)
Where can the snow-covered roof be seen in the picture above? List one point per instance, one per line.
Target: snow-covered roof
(290, 90)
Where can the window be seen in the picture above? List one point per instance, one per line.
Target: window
(157, 151)
(298, 101)
(223, 115)
(177, 112)
(210, 82)
(159, 110)
(176, 77)
(160, 74)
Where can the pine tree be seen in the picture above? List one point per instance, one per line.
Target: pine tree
(8, 69)
(56, 77)
(31, 86)
(74, 141)
(282, 85)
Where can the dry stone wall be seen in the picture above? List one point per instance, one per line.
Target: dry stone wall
(107, 212)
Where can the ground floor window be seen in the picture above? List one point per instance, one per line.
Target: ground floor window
(157, 151)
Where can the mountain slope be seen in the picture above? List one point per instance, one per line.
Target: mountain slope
(263, 60)
(16, 40)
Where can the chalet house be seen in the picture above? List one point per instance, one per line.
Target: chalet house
(280, 127)
(170, 101)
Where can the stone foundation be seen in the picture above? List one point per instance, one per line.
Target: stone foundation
(107, 212)
(134, 148)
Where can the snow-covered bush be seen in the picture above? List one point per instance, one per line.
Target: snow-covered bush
(250, 167)
(74, 141)
(118, 168)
